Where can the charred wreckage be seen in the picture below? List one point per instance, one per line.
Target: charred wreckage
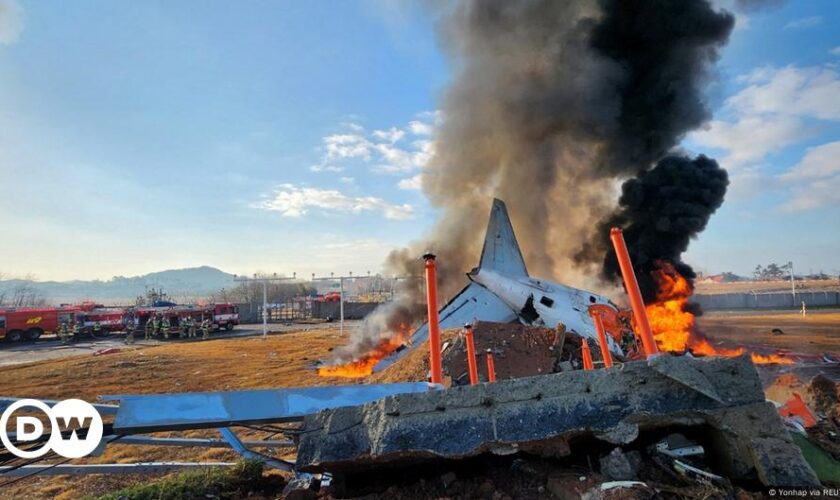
(339, 433)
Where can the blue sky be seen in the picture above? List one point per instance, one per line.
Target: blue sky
(288, 136)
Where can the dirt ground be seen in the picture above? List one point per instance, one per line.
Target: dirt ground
(816, 333)
(214, 365)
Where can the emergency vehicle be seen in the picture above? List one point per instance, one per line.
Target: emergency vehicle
(29, 323)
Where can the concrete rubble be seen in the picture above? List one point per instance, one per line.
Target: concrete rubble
(720, 398)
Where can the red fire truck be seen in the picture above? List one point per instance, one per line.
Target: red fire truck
(29, 323)
(221, 315)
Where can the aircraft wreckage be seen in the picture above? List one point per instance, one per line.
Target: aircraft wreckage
(339, 431)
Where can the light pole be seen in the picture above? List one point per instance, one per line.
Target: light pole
(340, 279)
(264, 280)
(792, 284)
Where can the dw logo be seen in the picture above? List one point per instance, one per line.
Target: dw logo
(68, 416)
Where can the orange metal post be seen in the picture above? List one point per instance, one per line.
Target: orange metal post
(434, 325)
(471, 361)
(606, 355)
(586, 355)
(632, 286)
(491, 367)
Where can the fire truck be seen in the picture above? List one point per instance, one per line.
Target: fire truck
(111, 319)
(220, 315)
(29, 323)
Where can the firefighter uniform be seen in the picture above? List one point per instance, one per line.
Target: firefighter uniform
(77, 330)
(157, 326)
(205, 329)
(190, 328)
(64, 333)
(129, 332)
(150, 328)
(165, 327)
(97, 329)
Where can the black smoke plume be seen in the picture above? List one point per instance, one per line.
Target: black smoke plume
(552, 104)
(660, 211)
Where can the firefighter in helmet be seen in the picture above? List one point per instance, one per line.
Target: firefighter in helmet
(191, 327)
(97, 328)
(205, 329)
(150, 328)
(129, 330)
(165, 327)
(63, 333)
(77, 329)
(157, 325)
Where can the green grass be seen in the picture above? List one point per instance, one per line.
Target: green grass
(216, 482)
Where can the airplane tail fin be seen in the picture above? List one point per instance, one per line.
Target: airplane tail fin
(501, 250)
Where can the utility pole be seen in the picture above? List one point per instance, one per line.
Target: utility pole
(264, 280)
(333, 277)
(792, 284)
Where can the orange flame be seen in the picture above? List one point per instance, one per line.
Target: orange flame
(674, 325)
(363, 366)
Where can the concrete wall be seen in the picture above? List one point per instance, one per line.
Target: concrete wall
(785, 300)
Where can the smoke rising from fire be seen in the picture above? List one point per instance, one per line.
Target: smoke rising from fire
(660, 210)
(552, 104)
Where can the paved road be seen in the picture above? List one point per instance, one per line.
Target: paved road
(49, 347)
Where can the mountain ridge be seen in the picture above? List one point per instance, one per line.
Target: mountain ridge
(178, 283)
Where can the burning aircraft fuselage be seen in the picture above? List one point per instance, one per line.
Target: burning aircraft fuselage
(541, 302)
(501, 290)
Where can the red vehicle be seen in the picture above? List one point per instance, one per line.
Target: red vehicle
(109, 318)
(29, 323)
(328, 297)
(225, 316)
(221, 315)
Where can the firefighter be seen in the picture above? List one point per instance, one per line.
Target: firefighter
(150, 328)
(77, 330)
(64, 333)
(190, 328)
(129, 331)
(165, 327)
(205, 329)
(157, 326)
(97, 329)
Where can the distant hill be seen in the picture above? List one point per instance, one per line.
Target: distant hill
(177, 283)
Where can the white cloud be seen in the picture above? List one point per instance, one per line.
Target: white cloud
(296, 201)
(805, 22)
(355, 127)
(822, 193)
(412, 183)
(835, 51)
(770, 112)
(347, 180)
(326, 168)
(791, 90)
(347, 146)
(815, 180)
(391, 135)
(420, 128)
(819, 161)
(11, 21)
(751, 137)
(383, 149)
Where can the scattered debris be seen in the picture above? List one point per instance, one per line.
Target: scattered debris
(797, 409)
(617, 466)
(109, 350)
(547, 415)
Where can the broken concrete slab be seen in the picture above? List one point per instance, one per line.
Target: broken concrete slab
(616, 466)
(541, 414)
